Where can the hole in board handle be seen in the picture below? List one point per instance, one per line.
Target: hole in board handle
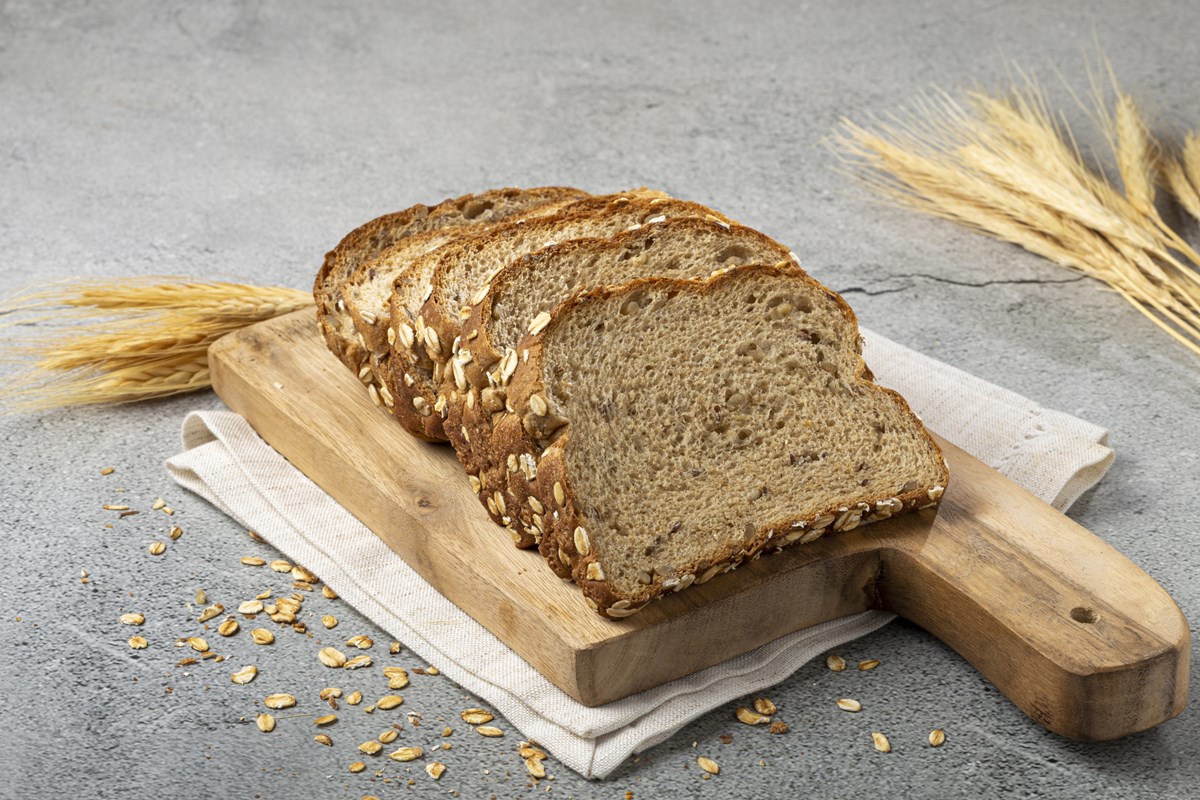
(1084, 615)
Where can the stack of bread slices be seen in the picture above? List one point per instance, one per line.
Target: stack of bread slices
(642, 388)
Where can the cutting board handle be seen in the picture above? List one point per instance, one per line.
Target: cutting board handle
(1111, 656)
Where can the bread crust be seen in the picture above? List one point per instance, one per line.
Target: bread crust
(369, 240)
(547, 439)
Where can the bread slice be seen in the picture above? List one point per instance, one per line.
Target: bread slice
(520, 299)
(369, 240)
(679, 428)
(423, 344)
(366, 294)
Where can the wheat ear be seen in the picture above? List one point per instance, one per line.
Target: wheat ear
(1007, 166)
(118, 341)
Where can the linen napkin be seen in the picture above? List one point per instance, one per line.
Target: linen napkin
(1052, 454)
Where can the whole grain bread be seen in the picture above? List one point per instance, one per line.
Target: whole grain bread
(520, 299)
(425, 338)
(366, 294)
(369, 240)
(677, 428)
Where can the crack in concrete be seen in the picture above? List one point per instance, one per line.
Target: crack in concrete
(911, 275)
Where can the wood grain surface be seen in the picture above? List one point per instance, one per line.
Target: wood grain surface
(1069, 629)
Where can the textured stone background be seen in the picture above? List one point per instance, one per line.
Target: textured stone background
(243, 139)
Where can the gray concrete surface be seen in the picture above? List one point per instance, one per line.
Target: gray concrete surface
(243, 139)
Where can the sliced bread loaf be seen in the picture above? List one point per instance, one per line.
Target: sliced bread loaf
(369, 240)
(519, 301)
(421, 349)
(678, 428)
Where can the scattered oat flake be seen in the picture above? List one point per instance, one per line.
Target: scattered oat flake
(265, 723)
(357, 766)
(708, 765)
(447, 731)
(331, 657)
(361, 642)
(435, 769)
(250, 607)
(398, 682)
(253, 561)
(388, 736)
(323, 738)
(201, 597)
(778, 727)
(170, 512)
(329, 621)
(265, 594)
(764, 706)
(936, 737)
(138, 642)
(211, 611)
(158, 504)
(229, 627)
(176, 532)
(132, 619)
(279, 565)
(749, 717)
(835, 663)
(489, 731)
(869, 664)
(432, 671)
(388, 702)
(526, 750)
(849, 704)
(395, 648)
(254, 536)
(407, 754)
(476, 716)
(112, 507)
(358, 662)
(355, 698)
(299, 573)
(198, 644)
(370, 747)
(279, 700)
(157, 548)
(328, 594)
(244, 675)
(327, 719)
(535, 767)
(107, 471)
(262, 636)
(881, 742)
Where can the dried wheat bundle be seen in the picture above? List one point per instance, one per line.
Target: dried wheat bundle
(1007, 166)
(122, 340)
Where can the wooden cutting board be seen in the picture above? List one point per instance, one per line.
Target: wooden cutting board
(1069, 629)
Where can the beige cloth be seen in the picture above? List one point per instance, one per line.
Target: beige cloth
(1054, 455)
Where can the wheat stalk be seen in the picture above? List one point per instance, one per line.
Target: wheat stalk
(123, 340)
(1007, 166)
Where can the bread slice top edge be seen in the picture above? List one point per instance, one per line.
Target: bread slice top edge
(371, 238)
(492, 327)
